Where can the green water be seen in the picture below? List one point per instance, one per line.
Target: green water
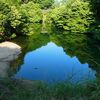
(78, 46)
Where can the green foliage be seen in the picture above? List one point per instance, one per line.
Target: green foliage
(31, 14)
(28, 90)
(18, 19)
(31, 11)
(10, 19)
(96, 10)
(95, 30)
(14, 17)
(73, 18)
(44, 3)
(96, 7)
(12, 2)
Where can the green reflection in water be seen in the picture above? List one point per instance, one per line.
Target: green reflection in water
(86, 50)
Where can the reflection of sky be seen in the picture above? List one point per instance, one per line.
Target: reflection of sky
(51, 64)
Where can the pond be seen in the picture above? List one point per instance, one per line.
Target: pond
(54, 59)
(50, 63)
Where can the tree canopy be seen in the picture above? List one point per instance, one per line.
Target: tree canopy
(74, 17)
(17, 20)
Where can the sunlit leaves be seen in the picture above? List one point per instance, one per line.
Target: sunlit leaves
(31, 11)
(18, 19)
(44, 3)
(76, 18)
(14, 17)
(31, 14)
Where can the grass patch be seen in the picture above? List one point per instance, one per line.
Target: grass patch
(23, 90)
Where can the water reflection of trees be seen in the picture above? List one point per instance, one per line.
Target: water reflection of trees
(86, 50)
(28, 44)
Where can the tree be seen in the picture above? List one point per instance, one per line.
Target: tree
(95, 29)
(96, 7)
(74, 17)
(31, 14)
(44, 3)
(18, 20)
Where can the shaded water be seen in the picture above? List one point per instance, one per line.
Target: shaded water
(51, 64)
(56, 58)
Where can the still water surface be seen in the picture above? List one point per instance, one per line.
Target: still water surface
(51, 64)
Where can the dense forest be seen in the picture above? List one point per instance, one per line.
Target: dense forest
(72, 24)
(80, 16)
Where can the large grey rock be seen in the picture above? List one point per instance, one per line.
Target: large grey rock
(8, 52)
(4, 66)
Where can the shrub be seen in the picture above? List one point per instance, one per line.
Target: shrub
(73, 18)
(18, 19)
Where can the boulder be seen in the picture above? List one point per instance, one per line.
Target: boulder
(8, 52)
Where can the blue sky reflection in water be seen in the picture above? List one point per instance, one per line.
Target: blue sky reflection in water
(51, 64)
